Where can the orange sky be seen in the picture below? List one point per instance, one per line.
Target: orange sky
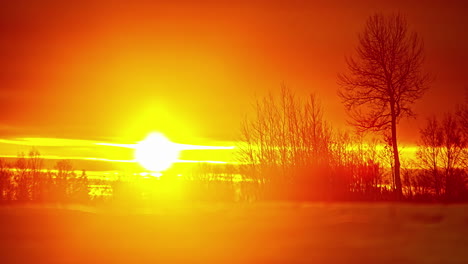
(115, 70)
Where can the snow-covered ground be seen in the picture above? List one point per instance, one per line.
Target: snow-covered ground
(236, 233)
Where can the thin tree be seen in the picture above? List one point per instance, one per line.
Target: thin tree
(285, 143)
(430, 151)
(453, 147)
(384, 79)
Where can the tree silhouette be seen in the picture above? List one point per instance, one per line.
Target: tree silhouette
(35, 164)
(6, 185)
(384, 79)
(453, 147)
(442, 154)
(21, 178)
(286, 143)
(430, 151)
(64, 174)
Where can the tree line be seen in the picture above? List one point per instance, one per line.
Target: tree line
(26, 180)
(292, 151)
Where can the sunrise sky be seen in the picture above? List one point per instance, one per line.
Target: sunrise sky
(74, 74)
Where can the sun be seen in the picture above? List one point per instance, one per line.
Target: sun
(156, 152)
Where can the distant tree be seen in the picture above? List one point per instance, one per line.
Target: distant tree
(286, 144)
(21, 179)
(356, 169)
(35, 164)
(78, 188)
(454, 146)
(27, 176)
(5, 181)
(442, 154)
(430, 151)
(64, 174)
(384, 79)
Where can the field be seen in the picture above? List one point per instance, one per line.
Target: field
(236, 233)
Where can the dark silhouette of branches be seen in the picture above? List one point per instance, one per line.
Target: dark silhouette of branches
(290, 152)
(453, 149)
(384, 78)
(442, 154)
(429, 151)
(285, 140)
(6, 182)
(26, 180)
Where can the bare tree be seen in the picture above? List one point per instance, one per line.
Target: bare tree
(442, 152)
(5, 181)
(35, 164)
(64, 174)
(21, 178)
(453, 147)
(429, 151)
(384, 79)
(286, 143)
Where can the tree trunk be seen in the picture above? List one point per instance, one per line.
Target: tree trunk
(396, 157)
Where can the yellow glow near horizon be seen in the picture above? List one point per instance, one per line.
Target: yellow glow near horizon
(156, 152)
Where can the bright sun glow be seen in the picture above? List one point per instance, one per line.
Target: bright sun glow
(156, 152)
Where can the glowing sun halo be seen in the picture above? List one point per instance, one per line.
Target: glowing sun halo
(156, 152)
